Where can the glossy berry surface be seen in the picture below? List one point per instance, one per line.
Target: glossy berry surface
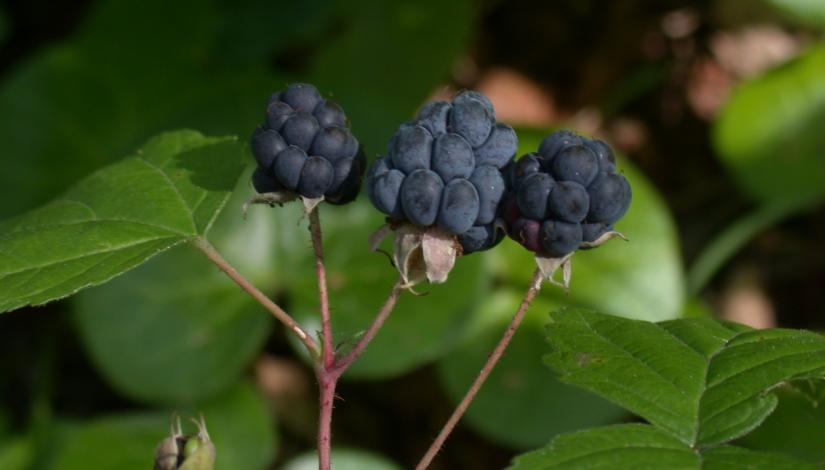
(567, 193)
(305, 146)
(444, 169)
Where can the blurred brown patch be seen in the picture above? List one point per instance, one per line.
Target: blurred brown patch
(744, 301)
(517, 99)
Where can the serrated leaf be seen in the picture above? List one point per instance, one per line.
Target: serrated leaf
(239, 425)
(118, 217)
(634, 446)
(642, 278)
(769, 133)
(642, 447)
(797, 427)
(702, 381)
(520, 404)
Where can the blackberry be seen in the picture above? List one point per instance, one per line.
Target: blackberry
(305, 147)
(444, 169)
(566, 194)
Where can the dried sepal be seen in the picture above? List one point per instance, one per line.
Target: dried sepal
(271, 199)
(311, 203)
(550, 266)
(408, 256)
(168, 450)
(604, 238)
(439, 249)
(419, 253)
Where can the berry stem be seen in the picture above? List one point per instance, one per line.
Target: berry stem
(279, 313)
(343, 363)
(535, 285)
(326, 385)
(328, 377)
(328, 352)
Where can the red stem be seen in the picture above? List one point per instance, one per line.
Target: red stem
(326, 384)
(535, 285)
(273, 308)
(320, 271)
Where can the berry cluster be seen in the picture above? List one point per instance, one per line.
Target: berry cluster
(444, 169)
(306, 147)
(567, 193)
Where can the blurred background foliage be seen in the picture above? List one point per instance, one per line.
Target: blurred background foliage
(716, 108)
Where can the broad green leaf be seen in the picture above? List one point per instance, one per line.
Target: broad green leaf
(809, 12)
(420, 329)
(642, 278)
(643, 447)
(343, 459)
(769, 133)
(204, 329)
(735, 458)
(520, 405)
(702, 381)
(797, 427)
(17, 453)
(635, 446)
(117, 217)
(401, 50)
(175, 330)
(239, 425)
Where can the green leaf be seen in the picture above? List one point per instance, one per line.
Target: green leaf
(343, 459)
(175, 330)
(17, 453)
(702, 381)
(735, 458)
(642, 278)
(635, 446)
(640, 446)
(769, 133)
(420, 329)
(809, 12)
(520, 405)
(116, 218)
(239, 425)
(797, 427)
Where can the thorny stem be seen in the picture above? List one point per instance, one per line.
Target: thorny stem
(320, 271)
(273, 308)
(535, 285)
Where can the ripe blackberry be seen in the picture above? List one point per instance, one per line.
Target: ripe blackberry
(444, 169)
(566, 194)
(305, 147)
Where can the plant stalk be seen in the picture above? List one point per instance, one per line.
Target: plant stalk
(279, 313)
(532, 291)
(328, 353)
